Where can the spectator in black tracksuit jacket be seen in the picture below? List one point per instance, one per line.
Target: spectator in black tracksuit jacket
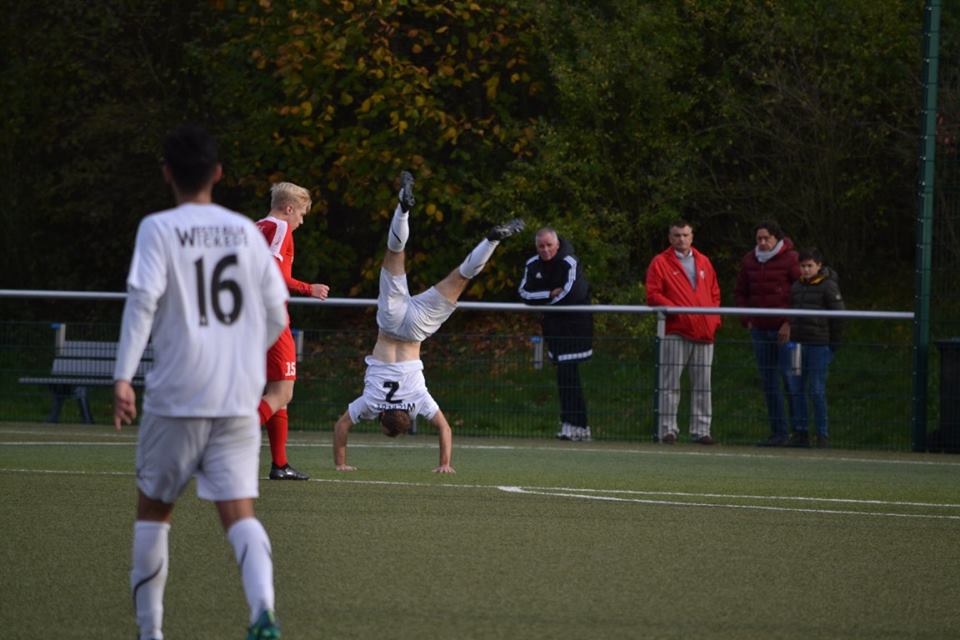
(555, 277)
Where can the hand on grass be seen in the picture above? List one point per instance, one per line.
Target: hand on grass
(345, 467)
(444, 468)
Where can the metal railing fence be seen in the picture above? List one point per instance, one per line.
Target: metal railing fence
(497, 384)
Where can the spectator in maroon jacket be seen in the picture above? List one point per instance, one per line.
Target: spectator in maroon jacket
(766, 274)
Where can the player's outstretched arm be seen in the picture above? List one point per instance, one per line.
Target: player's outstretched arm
(445, 435)
(124, 403)
(340, 431)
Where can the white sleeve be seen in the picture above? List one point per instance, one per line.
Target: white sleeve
(146, 282)
(134, 332)
(277, 321)
(148, 267)
(275, 296)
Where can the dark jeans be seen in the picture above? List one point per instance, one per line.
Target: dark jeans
(812, 383)
(773, 361)
(573, 407)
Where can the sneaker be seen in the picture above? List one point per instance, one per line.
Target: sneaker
(669, 438)
(505, 230)
(286, 472)
(585, 435)
(705, 440)
(776, 440)
(823, 442)
(406, 191)
(799, 439)
(566, 431)
(265, 628)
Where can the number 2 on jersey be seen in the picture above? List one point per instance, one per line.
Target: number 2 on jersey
(393, 386)
(218, 285)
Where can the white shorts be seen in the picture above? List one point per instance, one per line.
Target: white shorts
(397, 385)
(409, 318)
(223, 453)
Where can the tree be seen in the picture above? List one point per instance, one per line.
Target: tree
(342, 96)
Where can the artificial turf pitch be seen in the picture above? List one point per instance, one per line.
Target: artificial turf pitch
(530, 539)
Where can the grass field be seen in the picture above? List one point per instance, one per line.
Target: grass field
(530, 539)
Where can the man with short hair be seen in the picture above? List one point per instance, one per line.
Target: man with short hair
(395, 391)
(203, 284)
(289, 203)
(681, 276)
(555, 277)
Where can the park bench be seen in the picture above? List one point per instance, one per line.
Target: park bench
(78, 365)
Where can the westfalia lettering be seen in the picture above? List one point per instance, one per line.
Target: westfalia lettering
(403, 406)
(212, 237)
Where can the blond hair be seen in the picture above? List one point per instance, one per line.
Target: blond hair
(287, 193)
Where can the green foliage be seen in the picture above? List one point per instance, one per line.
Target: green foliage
(726, 113)
(343, 96)
(88, 91)
(605, 119)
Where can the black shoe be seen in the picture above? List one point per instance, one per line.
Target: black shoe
(286, 472)
(799, 439)
(776, 440)
(406, 191)
(505, 230)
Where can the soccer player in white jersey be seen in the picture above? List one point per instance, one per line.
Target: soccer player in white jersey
(204, 283)
(395, 391)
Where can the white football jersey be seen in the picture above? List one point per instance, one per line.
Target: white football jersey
(208, 272)
(397, 385)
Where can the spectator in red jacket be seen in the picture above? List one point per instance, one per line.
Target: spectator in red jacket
(767, 273)
(681, 276)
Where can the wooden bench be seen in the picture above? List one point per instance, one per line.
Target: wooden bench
(80, 364)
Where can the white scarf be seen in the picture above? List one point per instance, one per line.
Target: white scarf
(763, 256)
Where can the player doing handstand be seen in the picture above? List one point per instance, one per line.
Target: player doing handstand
(395, 391)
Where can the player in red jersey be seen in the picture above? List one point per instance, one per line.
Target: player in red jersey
(289, 203)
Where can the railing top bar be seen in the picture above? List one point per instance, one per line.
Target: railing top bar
(62, 295)
(511, 306)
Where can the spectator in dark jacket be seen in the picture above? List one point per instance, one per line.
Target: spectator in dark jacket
(766, 274)
(555, 277)
(819, 338)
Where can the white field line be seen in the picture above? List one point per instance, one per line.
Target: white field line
(575, 449)
(713, 505)
(594, 494)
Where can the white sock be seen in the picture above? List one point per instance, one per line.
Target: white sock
(251, 545)
(148, 577)
(477, 260)
(399, 230)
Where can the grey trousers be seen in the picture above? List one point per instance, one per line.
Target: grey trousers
(676, 353)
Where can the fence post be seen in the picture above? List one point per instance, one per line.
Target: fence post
(537, 342)
(928, 152)
(661, 332)
(59, 336)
